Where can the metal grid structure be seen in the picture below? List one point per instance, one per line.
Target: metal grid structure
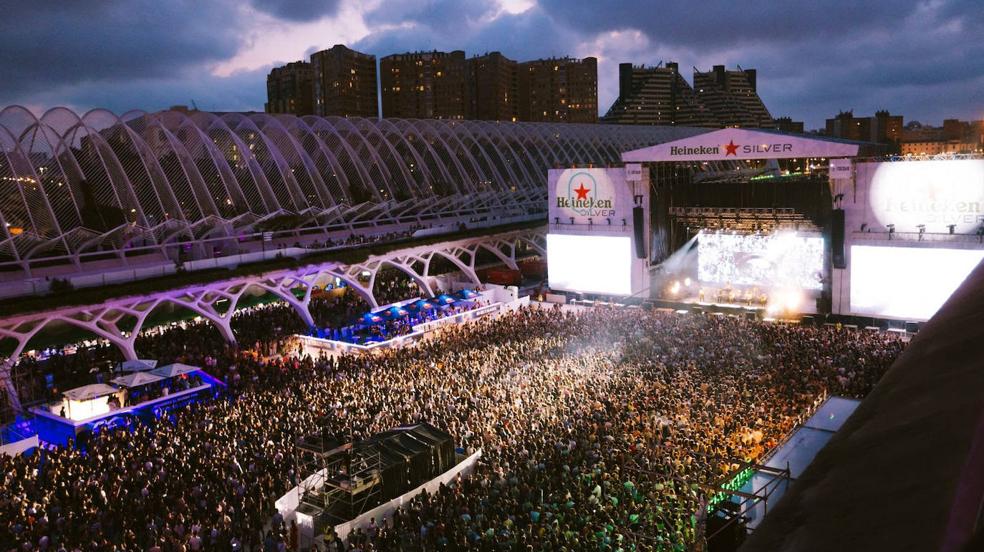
(752, 219)
(74, 185)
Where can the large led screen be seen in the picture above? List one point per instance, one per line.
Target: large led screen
(782, 260)
(935, 194)
(906, 282)
(590, 264)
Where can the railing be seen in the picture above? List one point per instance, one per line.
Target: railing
(917, 237)
(154, 268)
(253, 241)
(760, 464)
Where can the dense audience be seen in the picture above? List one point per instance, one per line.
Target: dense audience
(600, 430)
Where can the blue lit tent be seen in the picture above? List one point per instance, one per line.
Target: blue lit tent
(396, 312)
(445, 299)
(423, 304)
(371, 318)
(466, 294)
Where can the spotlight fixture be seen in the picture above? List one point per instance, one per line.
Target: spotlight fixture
(864, 226)
(590, 221)
(624, 224)
(609, 221)
(952, 228)
(891, 230)
(572, 220)
(556, 220)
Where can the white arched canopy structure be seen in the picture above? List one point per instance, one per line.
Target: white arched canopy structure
(71, 184)
(121, 320)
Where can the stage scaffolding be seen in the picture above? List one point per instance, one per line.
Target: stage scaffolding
(345, 479)
(724, 521)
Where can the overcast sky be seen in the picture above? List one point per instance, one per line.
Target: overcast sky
(924, 60)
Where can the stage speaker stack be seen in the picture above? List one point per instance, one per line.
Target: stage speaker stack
(639, 227)
(837, 238)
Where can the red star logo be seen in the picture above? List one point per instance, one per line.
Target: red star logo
(582, 192)
(732, 148)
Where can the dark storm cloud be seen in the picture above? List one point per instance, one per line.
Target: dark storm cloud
(817, 57)
(48, 44)
(922, 59)
(435, 14)
(297, 10)
(527, 35)
(243, 91)
(722, 23)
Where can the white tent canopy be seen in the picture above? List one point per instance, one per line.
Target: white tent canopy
(88, 392)
(136, 379)
(738, 144)
(173, 370)
(138, 365)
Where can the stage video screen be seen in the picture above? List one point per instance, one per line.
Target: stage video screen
(781, 260)
(906, 282)
(590, 264)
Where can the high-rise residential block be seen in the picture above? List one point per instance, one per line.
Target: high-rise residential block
(344, 83)
(492, 88)
(656, 96)
(558, 90)
(424, 85)
(290, 89)
(732, 97)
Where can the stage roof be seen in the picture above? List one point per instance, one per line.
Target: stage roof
(906, 471)
(743, 144)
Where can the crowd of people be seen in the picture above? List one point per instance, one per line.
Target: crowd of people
(601, 429)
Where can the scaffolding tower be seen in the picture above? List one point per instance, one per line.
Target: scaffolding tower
(340, 482)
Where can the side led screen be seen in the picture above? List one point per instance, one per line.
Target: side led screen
(782, 260)
(590, 264)
(906, 282)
